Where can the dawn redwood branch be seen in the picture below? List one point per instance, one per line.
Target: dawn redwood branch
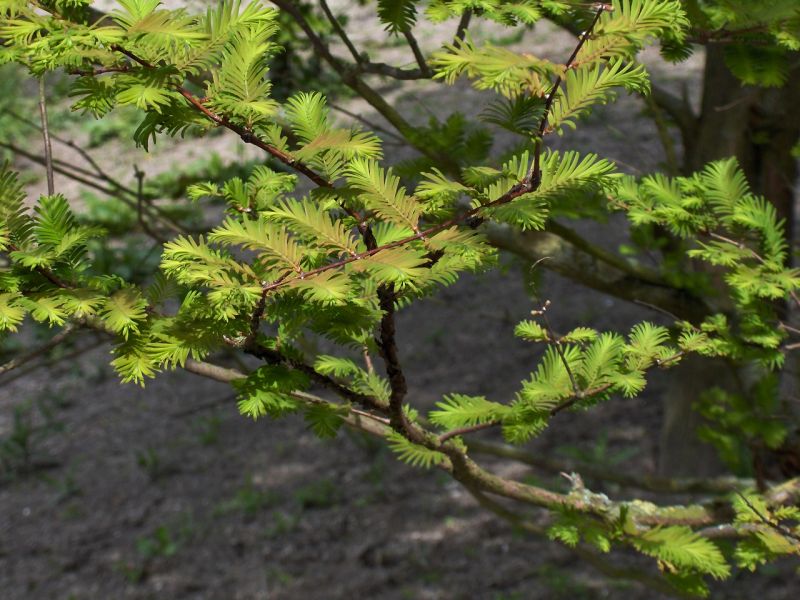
(387, 343)
(349, 76)
(249, 137)
(515, 192)
(555, 342)
(43, 271)
(679, 109)
(467, 430)
(742, 246)
(474, 477)
(534, 176)
(212, 371)
(355, 419)
(577, 395)
(244, 133)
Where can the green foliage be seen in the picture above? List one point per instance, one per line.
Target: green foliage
(397, 15)
(464, 411)
(738, 424)
(495, 68)
(414, 454)
(267, 391)
(285, 266)
(679, 548)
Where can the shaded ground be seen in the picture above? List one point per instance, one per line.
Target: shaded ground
(168, 493)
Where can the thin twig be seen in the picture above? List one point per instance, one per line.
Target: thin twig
(81, 176)
(140, 206)
(368, 361)
(770, 523)
(368, 123)
(48, 148)
(49, 364)
(534, 175)
(467, 430)
(418, 55)
(556, 343)
(463, 25)
(276, 357)
(54, 341)
(341, 32)
(742, 246)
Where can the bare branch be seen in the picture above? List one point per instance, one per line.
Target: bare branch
(54, 341)
(418, 55)
(463, 25)
(340, 31)
(48, 148)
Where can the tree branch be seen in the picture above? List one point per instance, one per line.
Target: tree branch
(340, 31)
(54, 341)
(661, 485)
(275, 357)
(425, 70)
(349, 76)
(535, 173)
(48, 148)
(463, 25)
(592, 558)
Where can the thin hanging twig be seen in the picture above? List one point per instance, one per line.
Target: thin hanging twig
(48, 149)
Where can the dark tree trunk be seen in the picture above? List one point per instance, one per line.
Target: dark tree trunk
(760, 127)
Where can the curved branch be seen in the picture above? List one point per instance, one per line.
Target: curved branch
(585, 267)
(54, 341)
(662, 485)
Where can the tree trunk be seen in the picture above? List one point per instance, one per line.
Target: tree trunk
(760, 127)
